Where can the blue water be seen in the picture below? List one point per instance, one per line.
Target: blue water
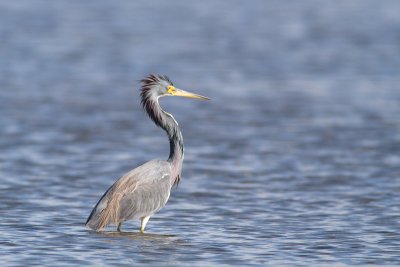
(295, 161)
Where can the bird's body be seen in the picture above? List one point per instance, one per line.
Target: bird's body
(145, 190)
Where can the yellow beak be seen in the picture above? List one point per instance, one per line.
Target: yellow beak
(179, 92)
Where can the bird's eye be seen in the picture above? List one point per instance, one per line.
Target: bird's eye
(171, 89)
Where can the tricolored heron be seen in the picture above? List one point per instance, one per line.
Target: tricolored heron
(145, 190)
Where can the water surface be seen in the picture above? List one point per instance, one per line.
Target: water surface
(295, 161)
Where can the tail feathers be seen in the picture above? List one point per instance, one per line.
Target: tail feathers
(104, 213)
(98, 218)
(94, 221)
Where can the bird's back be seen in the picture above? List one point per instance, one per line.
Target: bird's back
(139, 193)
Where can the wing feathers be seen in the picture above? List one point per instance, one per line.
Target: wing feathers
(141, 192)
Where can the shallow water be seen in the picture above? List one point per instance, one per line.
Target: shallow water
(295, 161)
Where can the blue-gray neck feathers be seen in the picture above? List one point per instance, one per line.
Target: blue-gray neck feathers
(151, 91)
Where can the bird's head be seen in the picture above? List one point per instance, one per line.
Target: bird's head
(160, 85)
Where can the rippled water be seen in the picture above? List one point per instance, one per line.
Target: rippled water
(295, 161)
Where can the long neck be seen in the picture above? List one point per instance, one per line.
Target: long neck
(167, 122)
(175, 138)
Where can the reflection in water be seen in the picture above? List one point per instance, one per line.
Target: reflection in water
(142, 237)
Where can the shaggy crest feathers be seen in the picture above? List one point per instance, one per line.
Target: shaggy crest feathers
(152, 80)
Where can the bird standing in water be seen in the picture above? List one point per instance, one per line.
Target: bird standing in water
(145, 190)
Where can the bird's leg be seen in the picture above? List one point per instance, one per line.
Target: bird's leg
(119, 227)
(144, 222)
